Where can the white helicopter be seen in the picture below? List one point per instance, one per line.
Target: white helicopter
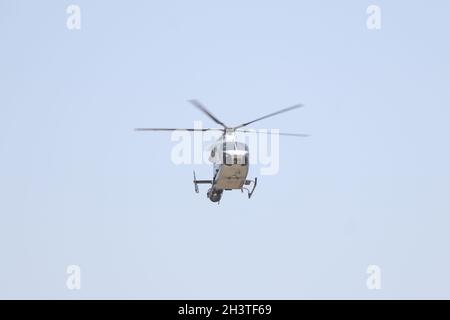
(229, 157)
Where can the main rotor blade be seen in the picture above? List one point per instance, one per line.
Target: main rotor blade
(278, 133)
(202, 108)
(270, 115)
(176, 129)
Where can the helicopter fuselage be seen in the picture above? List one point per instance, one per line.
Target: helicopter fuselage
(230, 166)
(231, 176)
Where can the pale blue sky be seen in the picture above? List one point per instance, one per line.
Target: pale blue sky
(79, 186)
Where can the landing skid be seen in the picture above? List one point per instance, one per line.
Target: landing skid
(247, 183)
(197, 182)
(249, 190)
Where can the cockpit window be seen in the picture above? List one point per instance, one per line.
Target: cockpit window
(235, 146)
(240, 146)
(230, 158)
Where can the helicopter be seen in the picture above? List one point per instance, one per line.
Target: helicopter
(230, 158)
